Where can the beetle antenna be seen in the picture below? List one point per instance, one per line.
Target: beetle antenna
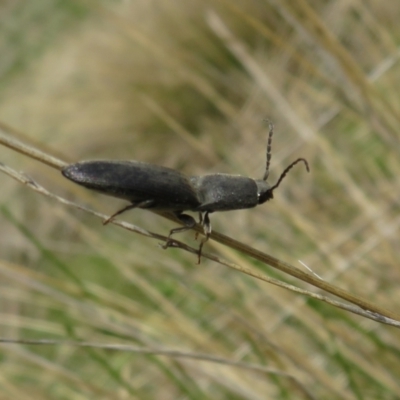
(269, 149)
(287, 169)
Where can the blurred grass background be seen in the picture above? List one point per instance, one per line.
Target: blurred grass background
(187, 85)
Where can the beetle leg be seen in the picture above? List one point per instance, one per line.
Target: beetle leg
(187, 220)
(207, 231)
(189, 223)
(140, 204)
(201, 223)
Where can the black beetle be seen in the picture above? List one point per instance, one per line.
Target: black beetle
(165, 189)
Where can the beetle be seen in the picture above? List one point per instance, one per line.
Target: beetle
(150, 186)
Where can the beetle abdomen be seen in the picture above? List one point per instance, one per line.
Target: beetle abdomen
(135, 181)
(223, 192)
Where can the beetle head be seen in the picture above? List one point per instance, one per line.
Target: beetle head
(266, 192)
